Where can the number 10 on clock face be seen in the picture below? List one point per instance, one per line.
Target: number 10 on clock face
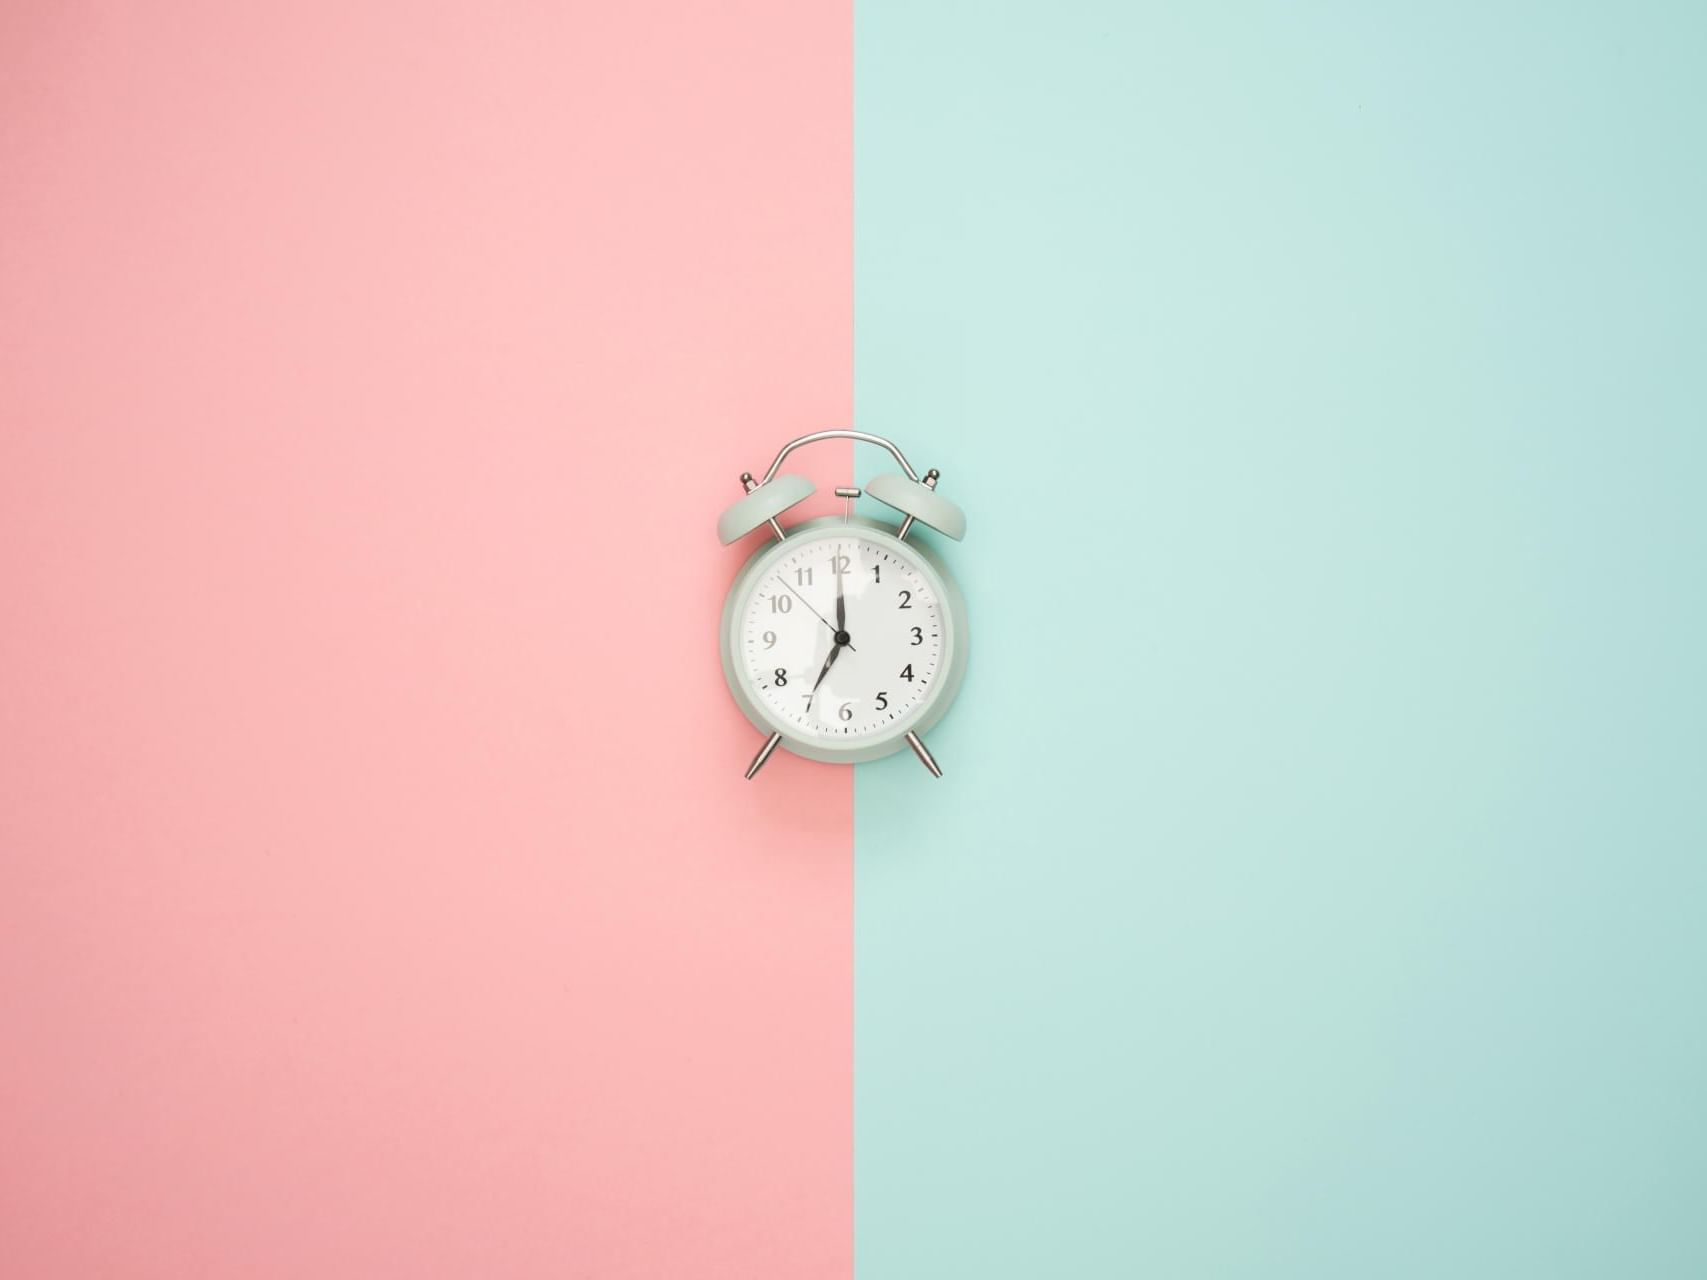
(842, 638)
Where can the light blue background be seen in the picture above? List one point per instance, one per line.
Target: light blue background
(1317, 887)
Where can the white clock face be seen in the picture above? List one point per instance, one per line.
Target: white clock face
(841, 638)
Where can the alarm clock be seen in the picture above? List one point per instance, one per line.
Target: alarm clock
(844, 639)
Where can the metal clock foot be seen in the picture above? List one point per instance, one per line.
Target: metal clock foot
(925, 757)
(765, 754)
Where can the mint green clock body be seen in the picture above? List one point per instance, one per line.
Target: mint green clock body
(844, 639)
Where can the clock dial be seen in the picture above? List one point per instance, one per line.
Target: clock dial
(842, 638)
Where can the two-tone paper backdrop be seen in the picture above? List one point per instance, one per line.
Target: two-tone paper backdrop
(1318, 887)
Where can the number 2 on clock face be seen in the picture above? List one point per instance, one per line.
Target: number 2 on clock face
(842, 637)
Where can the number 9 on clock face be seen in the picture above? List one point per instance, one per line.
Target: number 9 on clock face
(843, 638)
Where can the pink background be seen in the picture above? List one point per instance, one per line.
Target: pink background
(379, 892)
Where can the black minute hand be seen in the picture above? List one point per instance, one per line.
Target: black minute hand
(803, 600)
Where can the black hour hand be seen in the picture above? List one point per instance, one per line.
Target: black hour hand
(835, 652)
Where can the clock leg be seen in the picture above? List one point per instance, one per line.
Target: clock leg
(925, 757)
(765, 754)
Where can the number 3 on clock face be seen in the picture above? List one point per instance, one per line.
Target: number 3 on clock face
(843, 639)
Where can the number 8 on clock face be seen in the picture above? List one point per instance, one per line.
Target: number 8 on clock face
(842, 640)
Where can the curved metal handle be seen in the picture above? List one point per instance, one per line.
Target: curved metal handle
(864, 436)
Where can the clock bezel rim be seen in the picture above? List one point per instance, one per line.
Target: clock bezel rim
(892, 738)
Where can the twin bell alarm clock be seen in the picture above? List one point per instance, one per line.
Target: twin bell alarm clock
(842, 640)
